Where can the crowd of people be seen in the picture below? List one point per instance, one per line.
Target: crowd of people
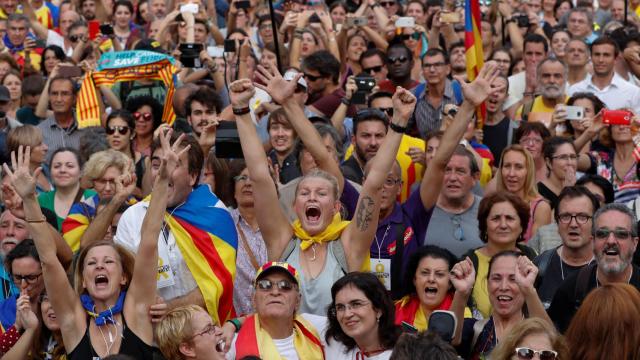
(319, 179)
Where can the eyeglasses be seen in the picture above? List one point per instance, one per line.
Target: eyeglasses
(374, 69)
(580, 218)
(239, 178)
(75, 38)
(312, 77)
(414, 36)
(401, 59)
(104, 182)
(209, 329)
(282, 285)
(526, 353)
(30, 279)
(566, 157)
(458, 232)
(388, 111)
(433, 65)
(353, 306)
(142, 116)
(389, 182)
(122, 130)
(531, 141)
(387, 3)
(619, 234)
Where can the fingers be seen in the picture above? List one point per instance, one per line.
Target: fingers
(7, 170)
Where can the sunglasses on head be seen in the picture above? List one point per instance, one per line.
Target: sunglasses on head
(122, 130)
(282, 285)
(371, 113)
(388, 111)
(528, 354)
(414, 36)
(142, 116)
(401, 59)
(374, 69)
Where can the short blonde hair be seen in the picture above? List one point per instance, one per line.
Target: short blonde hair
(102, 160)
(26, 135)
(174, 329)
(507, 346)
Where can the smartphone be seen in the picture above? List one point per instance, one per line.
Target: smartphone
(450, 17)
(215, 51)
(443, 323)
(365, 83)
(94, 29)
(191, 7)
(40, 43)
(357, 21)
(616, 117)
(574, 112)
(243, 4)
(406, 22)
(106, 29)
(67, 71)
(230, 46)
(228, 141)
(314, 18)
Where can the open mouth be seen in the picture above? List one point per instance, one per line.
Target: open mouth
(312, 213)
(431, 290)
(612, 252)
(504, 299)
(101, 281)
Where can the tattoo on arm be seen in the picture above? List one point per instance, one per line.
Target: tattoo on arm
(364, 213)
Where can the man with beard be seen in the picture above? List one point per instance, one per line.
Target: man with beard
(202, 109)
(12, 231)
(614, 236)
(399, 65)
(458, 60)
(551, 80)
(576, 205)
(88, 9)
(605, 83)
(369, 130)
(322, 74)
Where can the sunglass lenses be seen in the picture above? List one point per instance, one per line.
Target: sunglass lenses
(547, 355)
(525, 353)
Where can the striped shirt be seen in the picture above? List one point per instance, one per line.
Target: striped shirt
(56, 137)
(428, 118)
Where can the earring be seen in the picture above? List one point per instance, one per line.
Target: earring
(378, 319)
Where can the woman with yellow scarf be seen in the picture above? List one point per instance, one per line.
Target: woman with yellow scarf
(310, 243)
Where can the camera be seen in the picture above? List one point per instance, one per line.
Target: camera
(365, 84)
(190, 55)
(522, 20)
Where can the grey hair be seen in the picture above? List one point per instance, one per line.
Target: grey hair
(552, 59)
(18, 17)
(622, 208)
(581, 10)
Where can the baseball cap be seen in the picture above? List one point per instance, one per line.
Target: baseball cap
(291, 74)
(4, 93)
(149, 45)
(272, 266)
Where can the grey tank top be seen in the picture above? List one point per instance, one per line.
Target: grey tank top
(316, 292)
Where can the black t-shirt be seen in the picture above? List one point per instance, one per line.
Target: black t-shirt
(556, 272)
(496, 137)
(565, 302)
(352, 170)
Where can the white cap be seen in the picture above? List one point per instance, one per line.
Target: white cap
(291, 74)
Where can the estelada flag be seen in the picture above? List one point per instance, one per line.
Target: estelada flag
(473, 47)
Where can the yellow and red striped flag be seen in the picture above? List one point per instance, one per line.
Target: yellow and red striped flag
(473, 47)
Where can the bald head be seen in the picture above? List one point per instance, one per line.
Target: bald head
(66, 19)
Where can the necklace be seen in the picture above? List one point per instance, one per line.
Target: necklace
(379, 244)
(313, 247)
(111, 342)
(562, 261)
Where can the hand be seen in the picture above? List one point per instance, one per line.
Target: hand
(463, 276)
(206, 59)
(23, 182)
(280, 89)
(505, 9)
(325, 20)
(436, 23)
(534, 21)
(171, 153)
(29, 44)
(240, 92)
(632, 54)
(526, 273)
(350, 87)
(531, 82)
(25, 317)
(126, 183)
(417, 155)
(596, 124)
(228, 331)
(12, 201)
(477, 91)
(245, 49)
(207, 138)
(419, 29)
(404, 102)
(188, 17)
(158, 310)
(559, 114)
(290, 21)
(569, 176)
(161, 129)
(303, 18)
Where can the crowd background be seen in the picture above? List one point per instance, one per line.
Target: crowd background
(210, 179)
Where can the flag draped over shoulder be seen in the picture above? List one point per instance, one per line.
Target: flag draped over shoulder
(473, 46)
(120, 66)
(7, 313)
(207, 238)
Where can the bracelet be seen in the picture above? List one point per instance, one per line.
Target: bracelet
(345, 101)
(397, 128)
(241, 111)
(236, 324)
(36, 221)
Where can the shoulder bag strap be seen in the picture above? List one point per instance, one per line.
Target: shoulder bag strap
(247, 248)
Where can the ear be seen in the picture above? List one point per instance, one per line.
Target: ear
(399, 191)
(186, 349)
(337, 205)
(193, 179)
(124, 280)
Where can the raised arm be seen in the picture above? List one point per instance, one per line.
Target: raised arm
(65, 301)
(272, 220)
(526, 273)
(474, 94)
(462, 276)
(282, 92)
(584, 161)
(358, 236)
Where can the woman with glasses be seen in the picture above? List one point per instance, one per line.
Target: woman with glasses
(529, 338)
(509, 281)
(427, 285)
(147, 114)
(120, 127)
(516, 175)
(29, 135)
(502, 218)
(504, 59)
(605, 326)
(562, 163)
(361, 319)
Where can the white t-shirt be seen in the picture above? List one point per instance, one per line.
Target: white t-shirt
(53, 38)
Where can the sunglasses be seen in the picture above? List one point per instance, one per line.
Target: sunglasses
(401, 59)
(282, 285)
(374, 69)
(388, 111)
(122, 130)
(75, 38)
(142, 116)
(526, 353)
(387, 3)
(620, 234)
(311, 77)
(414, 36)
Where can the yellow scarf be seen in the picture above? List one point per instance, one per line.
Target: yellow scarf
(332, 232)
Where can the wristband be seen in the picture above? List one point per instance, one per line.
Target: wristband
(36, 221)
(236, 324)
(345, 101)
(241, 111)
(397, 128)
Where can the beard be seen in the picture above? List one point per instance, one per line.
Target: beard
(615, 267)
(7, 244)
(552, 91)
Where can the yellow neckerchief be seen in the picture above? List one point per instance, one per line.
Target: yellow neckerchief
(332, 232)
(305, 340)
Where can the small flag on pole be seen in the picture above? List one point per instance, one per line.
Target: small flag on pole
(473, 47)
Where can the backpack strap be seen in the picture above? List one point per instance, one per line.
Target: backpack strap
(288, 250)
(526, 109)
(457, 91)
(543, 262)
(341, 257)
(419, 90)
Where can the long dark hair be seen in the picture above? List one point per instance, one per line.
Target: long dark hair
(376, 293)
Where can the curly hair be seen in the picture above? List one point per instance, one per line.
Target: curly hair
(135, 103)
(488, 202)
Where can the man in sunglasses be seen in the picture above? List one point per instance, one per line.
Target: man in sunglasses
(373, 62)
(276, 324)
(614, 236)
(321, 72)
(399, 65)
(63, 37)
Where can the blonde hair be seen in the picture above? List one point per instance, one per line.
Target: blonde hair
(125, 256)
(321, 174)
(26, 135)
(102, 160)
(174, 329)
(530, 190)
(507, 346)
